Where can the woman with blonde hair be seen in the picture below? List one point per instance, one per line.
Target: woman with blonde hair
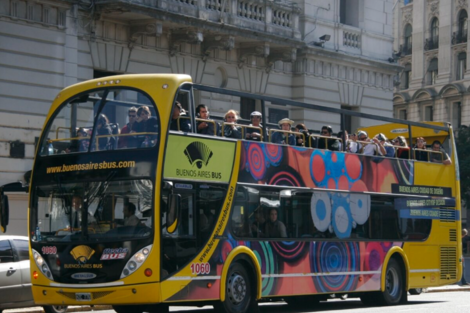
(230, 129)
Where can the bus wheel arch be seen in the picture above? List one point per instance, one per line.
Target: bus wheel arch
(395, 277)
(247, 259)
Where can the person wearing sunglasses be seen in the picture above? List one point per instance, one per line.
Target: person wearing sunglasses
(123, 140)
(230, 129)
(326, 143)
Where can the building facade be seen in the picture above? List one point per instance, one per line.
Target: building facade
(431, 40)
(432, 44)
(328, 52)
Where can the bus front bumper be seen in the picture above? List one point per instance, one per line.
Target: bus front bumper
(117, 295)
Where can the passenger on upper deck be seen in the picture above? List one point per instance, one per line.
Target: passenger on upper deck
(442, 157)
(385, 148)
(123, 140)
(281, 137)
(275, 228)
(103, 131)
(302, 141)
(206, 128)
(231, 131)
(419, 152)
(404, 151)
(330, 144)
(366, 145)
(184, 123)
(253, 133)
(352, 145)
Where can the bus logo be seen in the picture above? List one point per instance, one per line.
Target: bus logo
(198, 153)
(82, 254)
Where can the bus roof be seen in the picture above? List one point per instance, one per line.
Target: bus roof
(392, 130)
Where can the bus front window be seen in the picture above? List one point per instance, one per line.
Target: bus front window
(92, 210)
(107, 119)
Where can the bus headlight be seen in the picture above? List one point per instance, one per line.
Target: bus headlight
(136, 261)
(41, 264)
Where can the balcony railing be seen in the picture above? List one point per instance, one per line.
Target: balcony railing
(431, 44)
(459, 38)
(275, 17)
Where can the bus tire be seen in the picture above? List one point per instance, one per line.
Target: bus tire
(239, 292)
(416, 291)
(394, 284)
(127, 308)
(55, 308)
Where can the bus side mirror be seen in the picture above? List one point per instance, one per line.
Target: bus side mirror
(173, 213)
(4, 213)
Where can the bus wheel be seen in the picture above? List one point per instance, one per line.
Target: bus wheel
(239, 292)
(55, 308)
(127, 309)
(416, 291)
(393, 283)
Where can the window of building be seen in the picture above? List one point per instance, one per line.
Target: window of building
(434, 33)
(428, 113)
(433, 71)
(408, 39)
(402, 114)
(275, 115)
(247, 106)
(461, 65)
(456, 115)
(406, 78)
(463, 26)
(349, 12)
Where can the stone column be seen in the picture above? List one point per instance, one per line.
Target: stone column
(445, 36)
(419, 31)
(71, 47)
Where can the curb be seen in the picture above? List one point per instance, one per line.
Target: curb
(38, 309)
(451, 289)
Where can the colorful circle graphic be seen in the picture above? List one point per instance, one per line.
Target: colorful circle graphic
(320, 209)
(327, 258)
(285, 178)
(273, 154)
(268, 261)
(255, 161)
(289, 250)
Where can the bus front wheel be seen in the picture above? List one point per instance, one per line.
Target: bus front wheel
(239, 292)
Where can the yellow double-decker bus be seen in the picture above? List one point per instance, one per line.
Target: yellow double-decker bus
(131, 206)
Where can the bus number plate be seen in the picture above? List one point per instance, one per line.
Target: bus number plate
(83, 296)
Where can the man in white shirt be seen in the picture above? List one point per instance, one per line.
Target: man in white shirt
(129, 215)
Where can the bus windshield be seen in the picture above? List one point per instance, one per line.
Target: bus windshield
(92, 211)
(97, 121)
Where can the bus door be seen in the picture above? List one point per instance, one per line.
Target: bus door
(180, 246)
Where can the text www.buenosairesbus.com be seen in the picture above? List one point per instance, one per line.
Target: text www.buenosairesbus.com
(90, 166)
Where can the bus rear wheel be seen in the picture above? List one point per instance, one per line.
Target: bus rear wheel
(239, 292)
(394, 284)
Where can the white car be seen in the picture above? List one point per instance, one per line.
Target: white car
(15, 276)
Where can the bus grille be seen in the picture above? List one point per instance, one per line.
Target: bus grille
(447, 215)
(448, 263)
(95, 295)
(452, 235)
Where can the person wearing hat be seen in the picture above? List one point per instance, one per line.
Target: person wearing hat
(366, 146)
(253, 133)
(184, 123)
(281, 137)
